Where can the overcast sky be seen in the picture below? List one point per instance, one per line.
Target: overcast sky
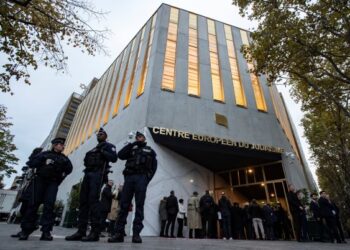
(34, 108)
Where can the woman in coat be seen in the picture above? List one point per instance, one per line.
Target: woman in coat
(194, 221)
(112, 216)
(163, 215)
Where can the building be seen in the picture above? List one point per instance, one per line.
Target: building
(64, 120)
(183, 81)
(7, 200)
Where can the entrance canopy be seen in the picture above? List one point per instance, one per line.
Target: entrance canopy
(216, 154)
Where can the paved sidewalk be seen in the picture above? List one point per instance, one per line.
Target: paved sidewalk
(149, 243)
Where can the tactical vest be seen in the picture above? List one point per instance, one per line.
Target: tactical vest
(140, 161)
(54, 167)
(94, 160)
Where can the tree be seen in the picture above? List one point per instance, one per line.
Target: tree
(302, 42)
(7, 158)
(327, 130)
(34, 31)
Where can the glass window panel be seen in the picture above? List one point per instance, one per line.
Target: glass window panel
(193, 21)
(168, 81)
(144, 70)
(234, 178)
(211, 27)
(258, 92)
(242, 176)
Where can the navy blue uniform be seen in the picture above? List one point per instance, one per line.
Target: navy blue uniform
(140, 167)
(96, 170)
(51, 169)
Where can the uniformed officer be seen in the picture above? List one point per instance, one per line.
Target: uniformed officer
(51, 167)
(96, 173)
(140, 167)
(26, 191)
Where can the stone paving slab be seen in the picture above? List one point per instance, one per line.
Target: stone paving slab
(150, 243)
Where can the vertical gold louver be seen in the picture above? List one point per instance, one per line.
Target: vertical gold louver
(218, 90)
(236, 81)
(258, 92)
(193, 64)
(168, 81)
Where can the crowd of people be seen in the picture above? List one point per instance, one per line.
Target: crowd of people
(204, 218)
(236, 221)
(324, 212)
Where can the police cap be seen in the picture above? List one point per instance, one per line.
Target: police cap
(58, 140)
(139, 134)
(102, 131)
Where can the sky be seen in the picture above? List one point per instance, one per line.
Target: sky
(33, 109)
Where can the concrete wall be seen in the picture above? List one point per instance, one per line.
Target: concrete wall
(179, 111)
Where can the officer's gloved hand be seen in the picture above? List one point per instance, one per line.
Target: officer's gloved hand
(140, 143)
(101, 145)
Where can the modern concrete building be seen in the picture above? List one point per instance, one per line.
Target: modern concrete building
(183, 81)
(64, 120)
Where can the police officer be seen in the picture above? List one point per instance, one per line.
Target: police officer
(51, 168)
(96, 173)
(140, 167)
(25, 192)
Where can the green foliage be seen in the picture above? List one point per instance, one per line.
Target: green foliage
(7, 158)
(302, 42)
(34, 31)
(73, 200)
(306, 44)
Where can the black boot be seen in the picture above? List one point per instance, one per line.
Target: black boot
(17, 235)
(46, 236)
(136, 238)
(23, 236)
(76, 236)
(93, 236)
(118, 237)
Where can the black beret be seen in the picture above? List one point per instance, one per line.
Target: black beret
(58, 140)
(139, 134)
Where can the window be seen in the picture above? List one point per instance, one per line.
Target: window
(131, 81)
(218, 90)
(105, 94)
(236, 81)
(168, 81)
(115, 83)
(117, 103)
(193, 66)
(144, 71)
(258, 92)
(89, 115)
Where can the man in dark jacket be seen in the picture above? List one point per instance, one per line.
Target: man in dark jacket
(140, 167)
(225, 209)
(237, 217)
(96, 171)
(337, 218)
(297, 210)
(315, 209)
(25, 193)
(51, 168)
(269, 220)
(206, 204)
(106, 204)
(172, 208)
(328, 212)
(163, 216)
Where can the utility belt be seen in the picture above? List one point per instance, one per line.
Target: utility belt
(131, 169)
